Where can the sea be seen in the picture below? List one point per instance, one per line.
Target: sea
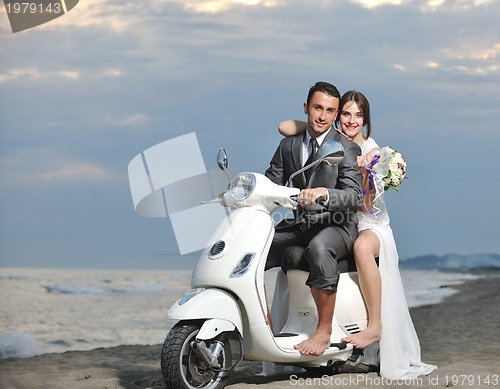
(58, 310)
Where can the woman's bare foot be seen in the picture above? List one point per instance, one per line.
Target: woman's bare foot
(364, 338)
(315, 345)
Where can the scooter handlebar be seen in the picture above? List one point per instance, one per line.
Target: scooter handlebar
(217, 200)
(298, 199)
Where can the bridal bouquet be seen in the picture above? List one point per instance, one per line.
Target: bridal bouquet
(391, 165)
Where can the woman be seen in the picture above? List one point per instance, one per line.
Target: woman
(389, 320)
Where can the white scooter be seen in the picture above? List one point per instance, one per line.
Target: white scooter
(223, 319)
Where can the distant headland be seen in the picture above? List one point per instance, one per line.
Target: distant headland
(461, 262)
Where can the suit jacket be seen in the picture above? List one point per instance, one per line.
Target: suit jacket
(343, 183)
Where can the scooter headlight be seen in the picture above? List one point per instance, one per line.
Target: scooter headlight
(242, 186)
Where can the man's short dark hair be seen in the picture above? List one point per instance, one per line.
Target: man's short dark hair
(324, 87)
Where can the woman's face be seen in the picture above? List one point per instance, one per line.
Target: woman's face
(351, 119)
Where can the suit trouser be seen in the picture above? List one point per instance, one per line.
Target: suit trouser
(324, 245)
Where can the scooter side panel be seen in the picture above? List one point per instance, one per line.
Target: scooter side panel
(349, 305)
(246, 231)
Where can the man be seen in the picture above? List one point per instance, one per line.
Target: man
(326, 225)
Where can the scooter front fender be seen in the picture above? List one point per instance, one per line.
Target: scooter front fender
(213, 327)
(208, 304)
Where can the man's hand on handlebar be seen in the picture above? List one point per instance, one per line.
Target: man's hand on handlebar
(313, 194)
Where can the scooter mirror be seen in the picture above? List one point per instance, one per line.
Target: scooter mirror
(222, 160)
(331, 151)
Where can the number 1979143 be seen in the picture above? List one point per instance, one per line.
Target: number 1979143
(34, 8)
(472, 380)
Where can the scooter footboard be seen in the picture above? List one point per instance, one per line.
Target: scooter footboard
(208, 304)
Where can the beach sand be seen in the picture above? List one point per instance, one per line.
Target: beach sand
(461, 336)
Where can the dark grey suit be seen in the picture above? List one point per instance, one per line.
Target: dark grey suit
(327, 230)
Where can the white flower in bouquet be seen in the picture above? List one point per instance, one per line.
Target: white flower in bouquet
(391, 165)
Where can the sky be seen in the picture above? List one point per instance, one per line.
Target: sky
(83, 94)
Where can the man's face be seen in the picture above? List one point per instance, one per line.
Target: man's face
(321, 113)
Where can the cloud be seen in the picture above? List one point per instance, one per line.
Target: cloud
(427, 5)
(45, 166)
(216, 6)
(455, 6)
(30, 73)
(432, 64)
(165, 36)
(33, 73)
(483, 53)
(112, 72)
(134, 120)
(377, 3)
(116, 16)
(73, 75)
(480, 59)
(73, 171)
(121, 17)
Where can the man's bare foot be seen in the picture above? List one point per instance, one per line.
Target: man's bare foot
(315, 345)
(364, 338)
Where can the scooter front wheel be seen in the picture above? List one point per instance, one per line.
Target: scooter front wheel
(184, 368)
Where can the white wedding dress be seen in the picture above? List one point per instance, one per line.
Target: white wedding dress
(399, 344)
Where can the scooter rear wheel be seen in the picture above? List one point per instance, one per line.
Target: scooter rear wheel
(182, 368)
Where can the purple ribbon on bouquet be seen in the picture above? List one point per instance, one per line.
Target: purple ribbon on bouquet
(371, 173)
(371, 186)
